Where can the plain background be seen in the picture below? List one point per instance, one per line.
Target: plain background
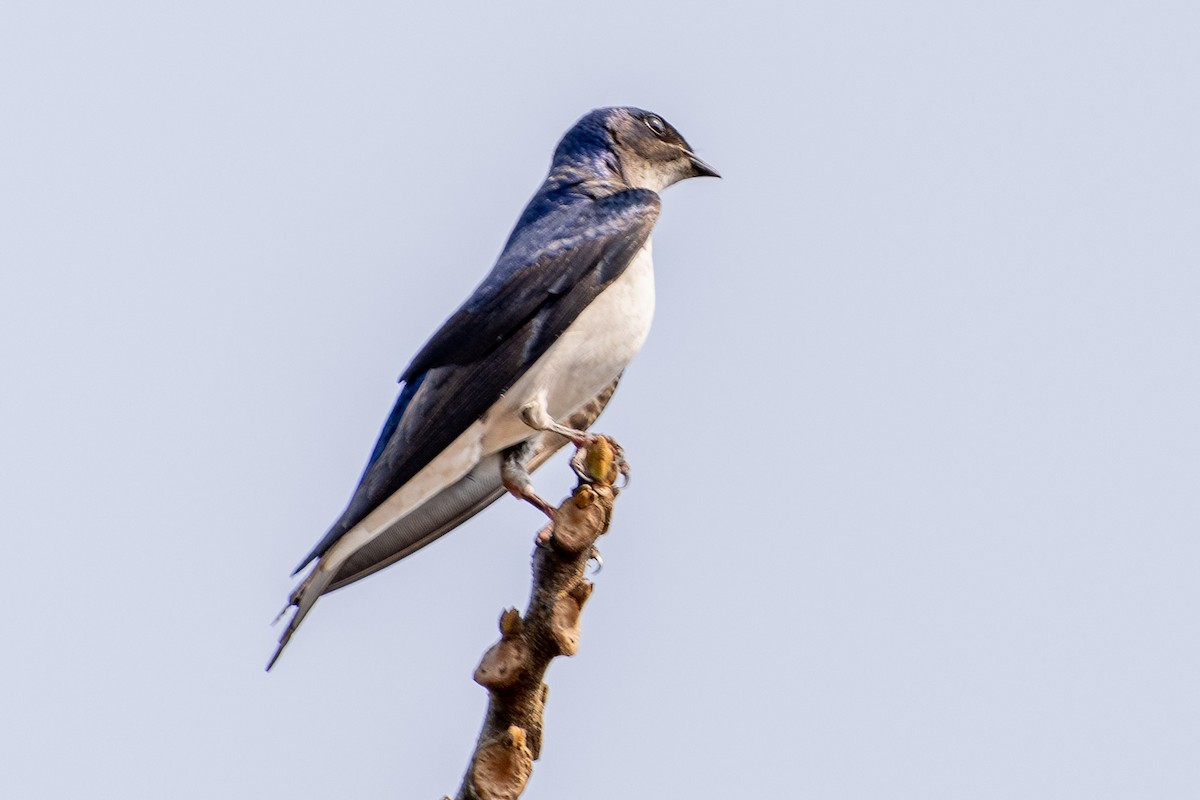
(915, 438)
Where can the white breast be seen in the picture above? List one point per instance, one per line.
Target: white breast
(591, 352)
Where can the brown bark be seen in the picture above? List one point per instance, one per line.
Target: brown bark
(513, 669)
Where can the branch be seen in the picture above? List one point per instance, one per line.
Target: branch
(513, 669)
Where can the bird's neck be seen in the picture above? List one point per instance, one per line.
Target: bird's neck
(579, 177)
(587, 174)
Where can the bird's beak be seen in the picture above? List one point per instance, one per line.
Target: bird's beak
(701, 169)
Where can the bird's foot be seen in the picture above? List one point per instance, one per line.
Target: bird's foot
(534, 415)
(524, 491)
(600, 460)
(515, 477)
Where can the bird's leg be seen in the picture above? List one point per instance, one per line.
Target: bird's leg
(597, 458)
(589, 470)
(534, 415)
(515, 476)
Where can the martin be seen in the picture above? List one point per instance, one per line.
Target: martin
(526, 364)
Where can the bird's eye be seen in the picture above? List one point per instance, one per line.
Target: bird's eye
(656, 125)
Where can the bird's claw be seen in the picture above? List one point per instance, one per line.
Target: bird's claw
(595, 556)
(600, 464)
(624, 469)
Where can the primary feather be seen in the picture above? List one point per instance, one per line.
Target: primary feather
(553, 324)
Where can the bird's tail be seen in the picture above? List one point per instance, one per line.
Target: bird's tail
(304, 598)
(436, 516)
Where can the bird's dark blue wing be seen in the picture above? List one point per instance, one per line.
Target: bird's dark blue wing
(551, 270)
(455, 504)
(543, 260)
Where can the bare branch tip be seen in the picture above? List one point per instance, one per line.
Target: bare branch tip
(512, 669)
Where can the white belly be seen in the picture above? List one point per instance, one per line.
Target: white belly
(589, 354)
(585, 359)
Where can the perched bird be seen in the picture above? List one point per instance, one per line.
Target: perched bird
(526, 363)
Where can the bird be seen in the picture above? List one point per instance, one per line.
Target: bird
(525, 364)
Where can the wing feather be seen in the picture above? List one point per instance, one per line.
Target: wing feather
(522, 307)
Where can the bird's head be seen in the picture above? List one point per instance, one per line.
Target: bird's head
(641, 147)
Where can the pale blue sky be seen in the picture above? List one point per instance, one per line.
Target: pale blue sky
(916, 436)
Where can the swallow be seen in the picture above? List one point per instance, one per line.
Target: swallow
(526, 364)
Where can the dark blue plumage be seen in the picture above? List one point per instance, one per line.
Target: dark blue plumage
(462, 412)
